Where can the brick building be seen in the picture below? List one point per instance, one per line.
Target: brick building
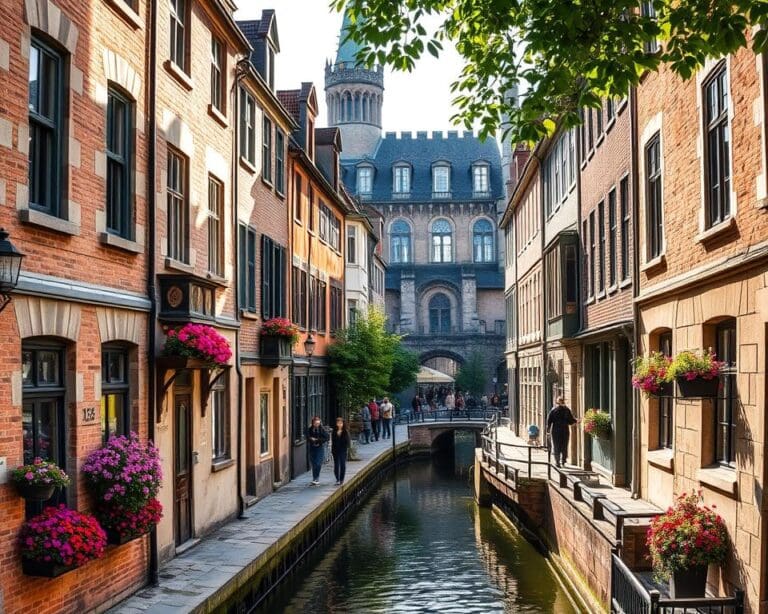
(73, 196)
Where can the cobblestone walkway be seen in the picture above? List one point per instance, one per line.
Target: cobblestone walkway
(188, 580)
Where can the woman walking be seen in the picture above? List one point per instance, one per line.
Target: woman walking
(316, 438)
(559, 424)
(340, 442)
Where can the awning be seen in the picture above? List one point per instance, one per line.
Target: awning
(432, 376)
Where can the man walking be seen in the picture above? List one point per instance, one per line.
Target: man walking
(559, 424)
(373, 406)
(387, 414)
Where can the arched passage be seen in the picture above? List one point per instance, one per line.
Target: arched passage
(445, 361)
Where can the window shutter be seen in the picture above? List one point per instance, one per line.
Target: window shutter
(242, 267)
(265, 273)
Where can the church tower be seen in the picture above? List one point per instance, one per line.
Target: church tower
(354, 95)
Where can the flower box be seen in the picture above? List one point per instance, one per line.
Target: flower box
(35, 492)
(275, 350)
(597, 424)
(666, 389)
(181, 362)
(43, 569)
(698, 387)
(688, 583)
(38, 480)
(115, 538)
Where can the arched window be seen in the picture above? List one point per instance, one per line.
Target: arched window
(440, 314)
(400, 242)
(727, 397)
(442, 241)
(348, 109)
(482, 241)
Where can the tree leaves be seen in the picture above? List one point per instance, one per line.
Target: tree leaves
(532, 64)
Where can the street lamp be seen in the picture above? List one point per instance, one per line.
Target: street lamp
(10, 267)
(309, 345)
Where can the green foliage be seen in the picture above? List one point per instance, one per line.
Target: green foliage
(360, 362)
(560, 54)
(471, 376)
(691, 365)
(597, 423)
(405, 367)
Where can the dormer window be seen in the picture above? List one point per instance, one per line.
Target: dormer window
(364, 181)
(269, 66)
(402, 181)
(481, 180)
(441, 181)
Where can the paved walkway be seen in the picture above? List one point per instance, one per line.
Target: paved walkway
(189, 579)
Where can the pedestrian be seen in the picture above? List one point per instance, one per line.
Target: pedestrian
(459, 401)
(365, 416)
(340, 442)
(317, 438)
(495, 400)
(387, 413)
(450, 401)
(559, 424)
(416, 404)
(375, 418)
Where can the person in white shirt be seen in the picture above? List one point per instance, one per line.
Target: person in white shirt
(387, 415)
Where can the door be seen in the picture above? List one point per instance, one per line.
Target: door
(277, 419)
(251, 454)
(182, 485)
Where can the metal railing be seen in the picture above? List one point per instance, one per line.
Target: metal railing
(493, 455)
(449, 415)
(629, 596)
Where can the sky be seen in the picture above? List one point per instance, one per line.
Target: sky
(309, 34)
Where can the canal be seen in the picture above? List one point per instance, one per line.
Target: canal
(421, 544)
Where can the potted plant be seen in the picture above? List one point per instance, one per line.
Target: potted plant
(196, 342)
(125, 476)
(278, 336)
(650, 374)
(683, 542)
(597, 423)
(39, 480)
(697, 373)
(59, 540)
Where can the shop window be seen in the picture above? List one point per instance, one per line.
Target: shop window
(115, 397)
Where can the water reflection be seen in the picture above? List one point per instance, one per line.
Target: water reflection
(420, 544)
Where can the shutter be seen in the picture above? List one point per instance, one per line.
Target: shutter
(242, 269)
(266, 311)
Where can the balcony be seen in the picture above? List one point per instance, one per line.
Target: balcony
(442, 194)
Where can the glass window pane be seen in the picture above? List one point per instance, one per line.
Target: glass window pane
(47, 368)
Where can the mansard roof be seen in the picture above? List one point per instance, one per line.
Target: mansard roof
(421, 152)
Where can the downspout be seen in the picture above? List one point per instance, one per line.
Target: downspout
(154, 559)
(291, 368)
(635, 479)
(543, 315)
(580, 437)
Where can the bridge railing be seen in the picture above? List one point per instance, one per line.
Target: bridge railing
(449, 415)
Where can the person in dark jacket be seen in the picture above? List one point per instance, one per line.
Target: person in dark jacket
(559, 424)
(316, 440)
(340, 442)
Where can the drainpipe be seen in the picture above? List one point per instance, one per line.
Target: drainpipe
(154, 559)
(580, 437)
(635, 479)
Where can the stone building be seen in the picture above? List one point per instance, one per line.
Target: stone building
(439, 196)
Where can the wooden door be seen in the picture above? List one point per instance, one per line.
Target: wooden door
(182, 484)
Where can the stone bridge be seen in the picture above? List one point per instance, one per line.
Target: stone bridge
(434, 431)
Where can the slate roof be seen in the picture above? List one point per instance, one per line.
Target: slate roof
(348, 49)
(421, 151)
(290, 100)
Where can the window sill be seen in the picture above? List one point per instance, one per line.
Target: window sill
(600, 295)
(178, 73)
(718, 478)
(653, 263)
(49, 222)
(177, 265)
(298, 221)
(222, 282)
(611, 123)
(611, 289)
(716, 231)
(663, 458)
(220, 465)
(248, 315)
(107, 238)
(626, 283)
(267, 182)
(762, 203)
(600, 140)
(218, 116)
(127, 13)
(589, 300)
(280, 193)
(246, 163)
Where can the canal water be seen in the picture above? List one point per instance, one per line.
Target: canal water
(421, 544)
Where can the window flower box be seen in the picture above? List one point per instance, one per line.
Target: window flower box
(44, 569)
(697, 373)
(597, 423)
(39, 480)
(199, 342)
(278, 336)
(650, 374)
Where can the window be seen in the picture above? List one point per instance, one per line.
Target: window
(511, 310)
(601, 245)
(247, 127)
(270, 67)
(400, 242)
(297, 209)
(247, 268)
(440, 314)
(219, 421)
(441, 181)
(558, 172)
(217, 74)
(119, 164)
(317, 297)
(480, 180)
(590, 130)
(599, 121)
(592, 253)
(351, 244)
(718, 148)
(279, 161)
(612, 232)
(442, 237)
(571, 279)
(115, 402)
(352, 311)
(266, 151)
(272, 279)
(215, 227)
(554, 287)
(334, 225)
(625, 236)
(647, 10)
(300, 420)
(482, 241)
(46, 127)
(178, 209)
(610, 108)
(299, 294)
(179, 14)
(337, 307)
(402, 184)
(727, 400)
(365, 180)
(666, 415)
(653, 197)
(42, 422)
(264, 423)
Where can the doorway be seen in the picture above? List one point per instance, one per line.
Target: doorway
(182, 483)
(251, 455)
(277, 418)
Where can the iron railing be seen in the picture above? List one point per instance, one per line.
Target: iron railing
(493, 455)
(449, 415)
